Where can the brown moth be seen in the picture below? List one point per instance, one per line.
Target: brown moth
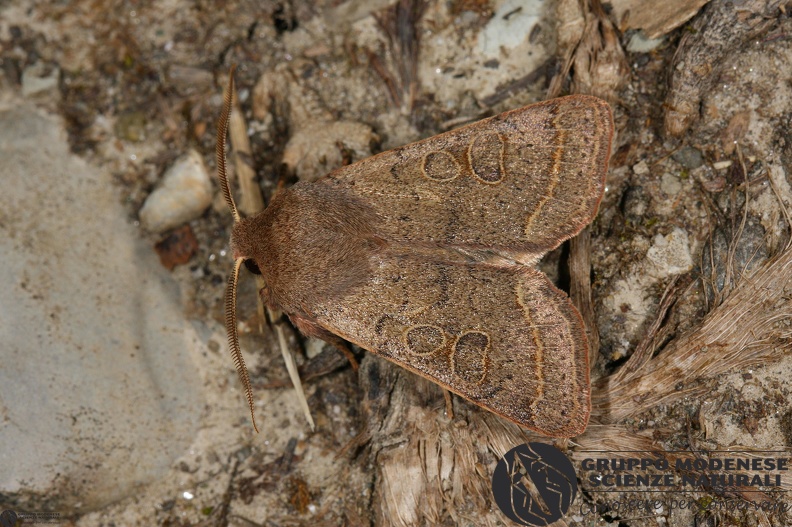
(424, 255)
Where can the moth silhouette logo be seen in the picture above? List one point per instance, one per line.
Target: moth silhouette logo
(8, 518)
(534, 484)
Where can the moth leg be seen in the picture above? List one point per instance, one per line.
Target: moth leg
(343, 348)
(310, 328)
(449, 403)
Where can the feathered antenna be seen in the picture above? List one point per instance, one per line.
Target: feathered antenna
(231, 290)
(222, 132)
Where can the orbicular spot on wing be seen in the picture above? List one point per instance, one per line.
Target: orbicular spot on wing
(441, 166)
(424, 340)
(469, 359)
(486, 157)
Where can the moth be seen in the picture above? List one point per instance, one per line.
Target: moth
(425, 255)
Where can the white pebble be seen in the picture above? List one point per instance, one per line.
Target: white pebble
(38, 79)
(184, 194)
(641, 168)
(640, 43)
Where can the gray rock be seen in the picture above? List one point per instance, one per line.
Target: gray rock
(688, 157)
(189, 80)
(186, 192)
(670, 255)
(670, 184)
(99, 393)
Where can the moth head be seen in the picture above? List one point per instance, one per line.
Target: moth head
(246, 240)
(239, 259)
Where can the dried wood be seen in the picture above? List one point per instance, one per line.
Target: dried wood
(752, 326)
(654, 18)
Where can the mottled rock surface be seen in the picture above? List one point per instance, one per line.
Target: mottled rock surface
(98, 387)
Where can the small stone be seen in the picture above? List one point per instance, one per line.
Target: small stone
(641, 168)
(177, 248)
(40, 79)
(670, 254)
(189, 80)
(688, 157)
(640, 43)
(186, 191)
(313, 347)
(670, 184)
(635, 202)
(131, 126)
(716, 184)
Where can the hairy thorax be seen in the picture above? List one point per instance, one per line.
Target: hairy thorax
(313, 243)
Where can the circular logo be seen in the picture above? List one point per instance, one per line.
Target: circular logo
(8, 518)
(534, 484)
